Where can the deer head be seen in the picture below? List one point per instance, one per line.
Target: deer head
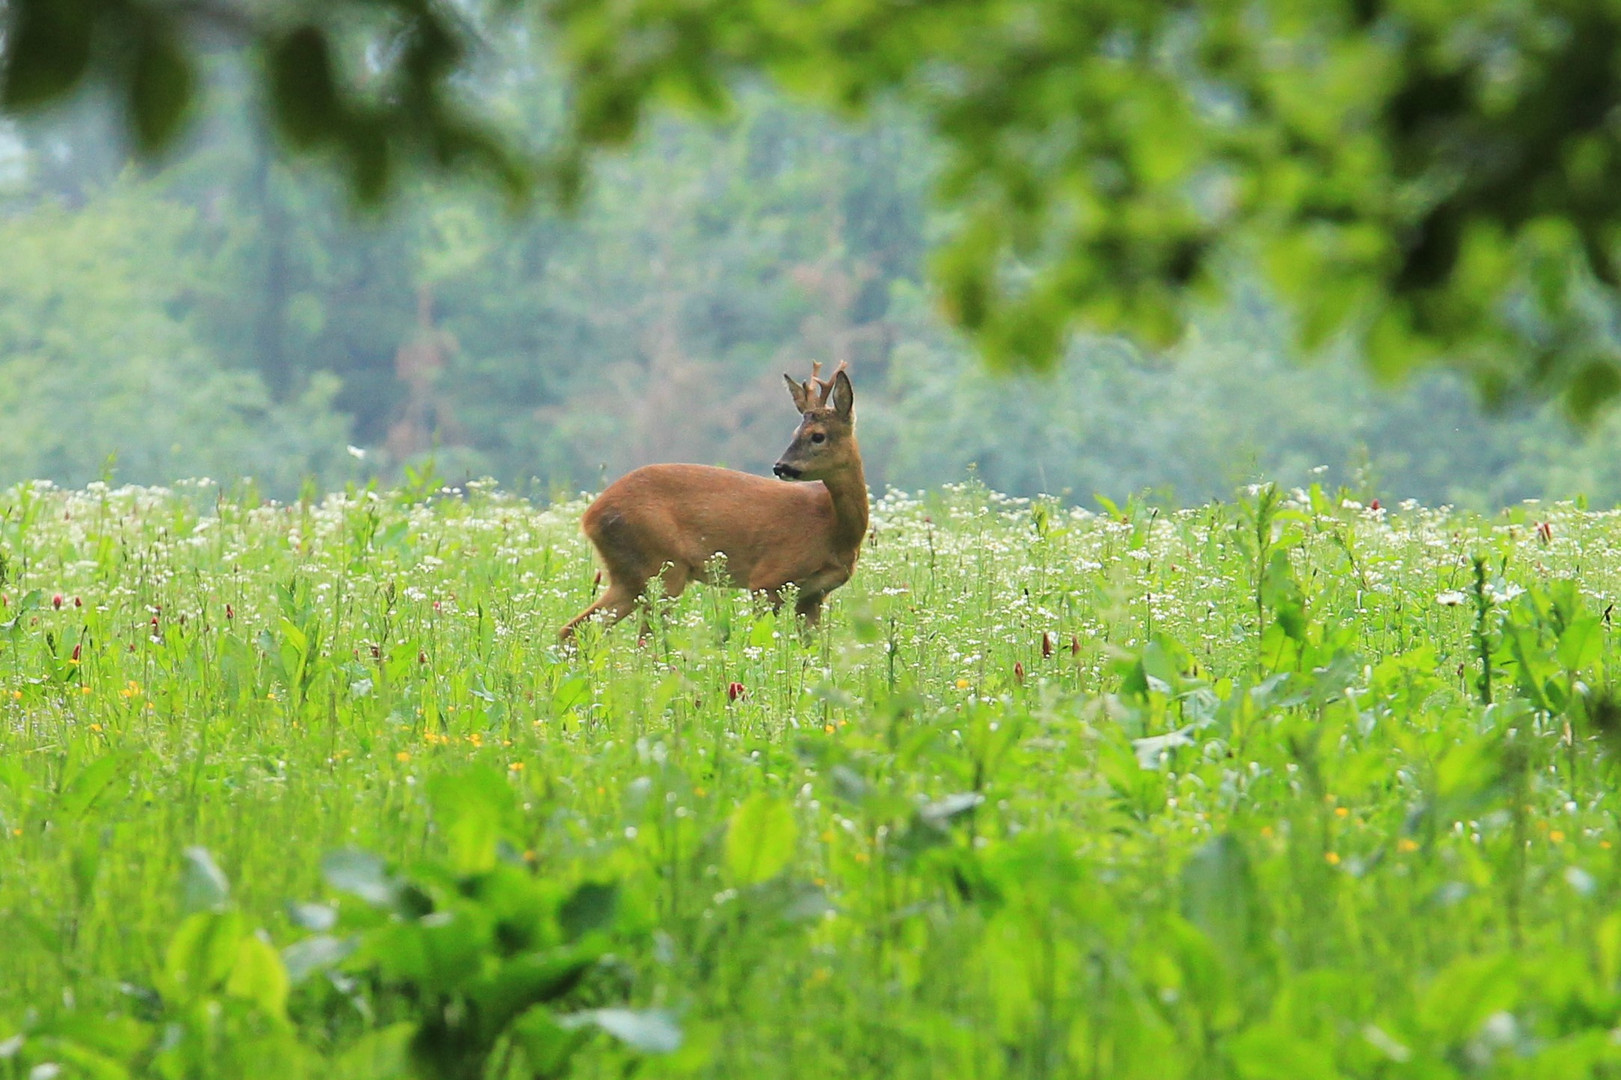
(825, 442)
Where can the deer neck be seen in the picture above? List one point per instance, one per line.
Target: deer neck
(848, 489)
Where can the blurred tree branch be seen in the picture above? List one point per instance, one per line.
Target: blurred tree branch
(1433, 181)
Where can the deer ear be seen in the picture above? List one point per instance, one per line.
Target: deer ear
(797, 391)
(844, 396)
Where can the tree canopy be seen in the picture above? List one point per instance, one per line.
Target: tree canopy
(1434, 179)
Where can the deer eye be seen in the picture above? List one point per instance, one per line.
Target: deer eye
(818, 438)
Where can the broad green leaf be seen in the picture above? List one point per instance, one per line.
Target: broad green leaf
(259, 977)
(383, 1054)
(1269, 1052)
(160, 90)
(1220, 897)
(471, 810)
(362, 874)
(1582, 643)
(1283, 596)
(88, 785)
(572, 691)
(303, 87)
(318, 952)
(1593, 387)
(203, 886)
(1465, 993)
(652, 1031)
(760, 634)
(47, 50)
(760, 838)
(202, 952)
(547, 1044)
(590, 907)
(530, 980)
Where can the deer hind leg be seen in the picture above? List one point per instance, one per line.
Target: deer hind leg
(617, 601)
(675, 578)
(629, 570)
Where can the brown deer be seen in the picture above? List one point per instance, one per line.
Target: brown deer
(674, 519)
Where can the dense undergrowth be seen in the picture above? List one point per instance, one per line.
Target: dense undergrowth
(1283, 788)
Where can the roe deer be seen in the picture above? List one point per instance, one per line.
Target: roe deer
(673, 519)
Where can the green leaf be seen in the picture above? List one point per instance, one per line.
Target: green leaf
(1282, 594)
(1590, 390)
(569, 693)
(471, 810)
(317, 917)
(160, 90)
(760, 633)
(259, 977)
(383, 1054)
(651, 1031)
(362, 874)
(942, 812)
(302, 959)
(760, 838)
(1269, 1052)
(203, 886)
(86, 865)
(87, 785)
(202, 952)
(546, 1044)
(1465, 993)
(303, 88)
(1220, 897)
(590, 907)
(530, 980)
(47, 51)
(1582, 643)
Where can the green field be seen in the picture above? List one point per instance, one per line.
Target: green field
(1283, 788)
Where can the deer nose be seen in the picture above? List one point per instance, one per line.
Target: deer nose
(785, 472)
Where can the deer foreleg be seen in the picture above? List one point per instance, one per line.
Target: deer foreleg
(809, 607)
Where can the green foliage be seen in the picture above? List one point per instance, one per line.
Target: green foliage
(699, 266)
(94, 366)
(1196, 793)
(1432, 180)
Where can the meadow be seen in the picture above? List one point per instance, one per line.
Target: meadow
(1287, 787)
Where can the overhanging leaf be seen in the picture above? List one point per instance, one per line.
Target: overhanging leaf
(160, 90)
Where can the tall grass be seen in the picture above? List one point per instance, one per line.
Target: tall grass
(1215, 792)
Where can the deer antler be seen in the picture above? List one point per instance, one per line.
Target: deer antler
(825, 388)
(813, 384)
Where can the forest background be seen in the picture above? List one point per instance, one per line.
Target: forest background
(234, 316)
